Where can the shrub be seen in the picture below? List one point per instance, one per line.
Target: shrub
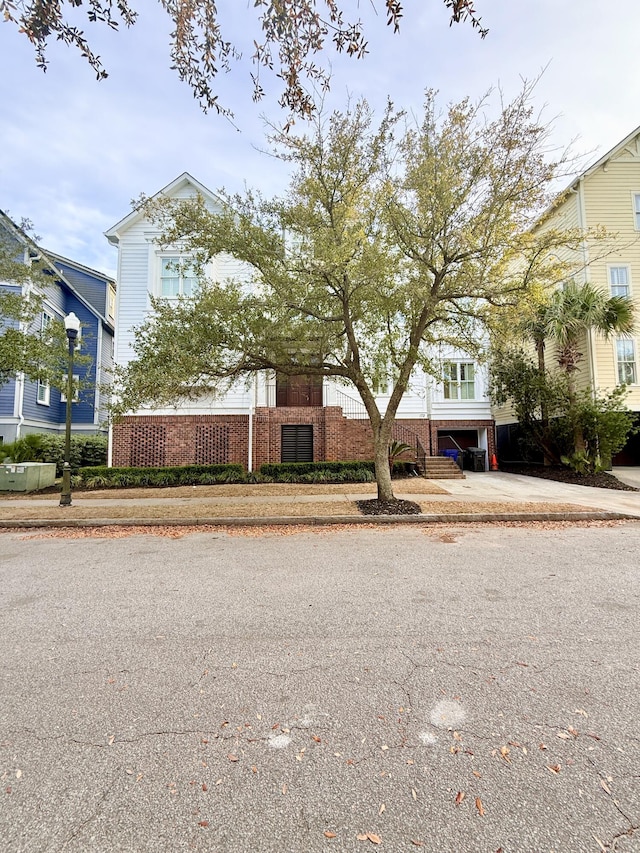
(47, 447)
(183, 475)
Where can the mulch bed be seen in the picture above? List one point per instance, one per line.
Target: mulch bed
(566, 475)
(394, 507)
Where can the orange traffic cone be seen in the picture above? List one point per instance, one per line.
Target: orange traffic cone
(494, 462)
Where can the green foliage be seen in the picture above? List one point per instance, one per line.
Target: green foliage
(397, 449)
(279, 469)
(183, 475)
(47, 447)
(551, 415)
(41, 354)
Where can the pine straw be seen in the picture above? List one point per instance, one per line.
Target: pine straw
(413, 485)
(442, 531)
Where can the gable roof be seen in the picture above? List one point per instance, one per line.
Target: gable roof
(602, 161)
(113, 234)
(48, 261)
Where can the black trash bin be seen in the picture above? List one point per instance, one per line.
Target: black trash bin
(475, 459)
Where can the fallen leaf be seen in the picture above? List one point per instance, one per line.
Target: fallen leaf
(479, 806)
(329, 834)
(477, 775)
(232, 757)
(111, 740)
(382, 808)
(7, 790)
(521, 663)
(459, 797)
(605, 787)
(362, 837)
(374, 839)
(543, 746)
(417, 842)
(254, 769)
(580, 711)
(554, 768)
(572, 731)
(384, 747)
(457, 736)
(317, 739)
(204, 786)
(285, 788)
(504, 752)
(203, 823)
(563, 736)
(414, 793)
(592, 735)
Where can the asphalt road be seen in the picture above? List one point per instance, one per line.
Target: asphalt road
(393, 689)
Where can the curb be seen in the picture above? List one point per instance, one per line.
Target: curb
(312, 520)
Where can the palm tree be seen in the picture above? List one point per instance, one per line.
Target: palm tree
(573, 312)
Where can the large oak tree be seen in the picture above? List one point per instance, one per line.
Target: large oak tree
(393, 238)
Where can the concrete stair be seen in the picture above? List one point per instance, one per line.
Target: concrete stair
(442, 468)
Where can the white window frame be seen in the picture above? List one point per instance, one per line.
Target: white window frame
(45, 322)
(453, 381)
(615, 287)
(635, 199)
(43, 393)
(183, 263)
(622, 361)
(76, 392)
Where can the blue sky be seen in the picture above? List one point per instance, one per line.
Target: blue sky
(74, 152)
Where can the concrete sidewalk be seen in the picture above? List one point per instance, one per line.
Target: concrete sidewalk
(515, 498)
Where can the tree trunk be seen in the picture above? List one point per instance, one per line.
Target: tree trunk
(383, 471)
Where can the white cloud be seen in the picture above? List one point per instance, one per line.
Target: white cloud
(74, 152)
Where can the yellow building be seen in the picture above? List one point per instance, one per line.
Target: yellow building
(607, 195)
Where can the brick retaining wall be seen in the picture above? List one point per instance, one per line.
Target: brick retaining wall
(159, 440)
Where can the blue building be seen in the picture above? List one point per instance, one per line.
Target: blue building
(31, 406)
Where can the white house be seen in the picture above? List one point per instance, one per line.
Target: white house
(271, 419)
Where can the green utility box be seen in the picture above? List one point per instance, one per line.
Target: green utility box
(27, 476)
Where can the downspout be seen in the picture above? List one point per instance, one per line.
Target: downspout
(96, 395)
(20, 404)
(252, 402)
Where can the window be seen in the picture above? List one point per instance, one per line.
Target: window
(177, 278)
(111, 302)
(626, 356)
(43, 393)
(76, 382)
(619, 281)
(636, 210)
(459, 380)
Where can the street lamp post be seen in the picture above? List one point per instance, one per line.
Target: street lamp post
(72, 327)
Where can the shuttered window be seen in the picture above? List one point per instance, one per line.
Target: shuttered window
(297, 443)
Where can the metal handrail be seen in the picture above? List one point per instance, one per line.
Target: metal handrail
(355, 409)
(454, 441)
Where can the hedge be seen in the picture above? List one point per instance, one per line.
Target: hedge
(101, 477)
